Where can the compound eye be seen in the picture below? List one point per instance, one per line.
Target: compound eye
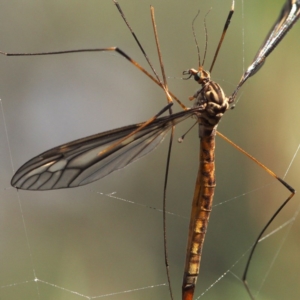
(197, 76)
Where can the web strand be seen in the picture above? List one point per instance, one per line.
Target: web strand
(68, 224)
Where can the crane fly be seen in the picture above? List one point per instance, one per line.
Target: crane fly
(85, 160)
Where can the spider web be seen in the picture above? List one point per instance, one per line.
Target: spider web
(104, 240)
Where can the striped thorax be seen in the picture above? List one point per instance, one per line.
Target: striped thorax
(210, 99)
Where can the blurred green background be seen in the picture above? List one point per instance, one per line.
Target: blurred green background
(84, 243)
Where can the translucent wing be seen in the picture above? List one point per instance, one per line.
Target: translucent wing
(288, 16)
(86, 160)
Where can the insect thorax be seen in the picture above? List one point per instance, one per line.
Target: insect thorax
(210, 99)
(212, 103)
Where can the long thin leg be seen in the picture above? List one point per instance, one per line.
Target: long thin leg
(223, 35)
(285, 184)
(116, 49)
(168, 156)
